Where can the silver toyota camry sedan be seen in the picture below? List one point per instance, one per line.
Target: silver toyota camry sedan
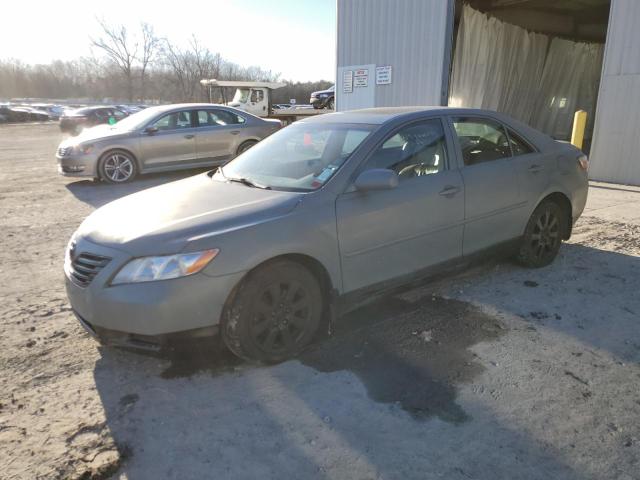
(320, 216)
(160, 139)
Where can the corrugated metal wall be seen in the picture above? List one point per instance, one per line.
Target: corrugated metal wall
(410, 35)
(615, 155)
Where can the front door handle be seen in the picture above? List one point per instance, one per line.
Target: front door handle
(449, 191)
(189, 136)
(535, 168)
(234, 132)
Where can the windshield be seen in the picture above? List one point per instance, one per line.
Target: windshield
(241, 96)
(136, 120)
(302, 157)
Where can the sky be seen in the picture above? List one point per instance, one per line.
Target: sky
(295, 38)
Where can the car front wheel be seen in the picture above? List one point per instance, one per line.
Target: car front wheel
(274, 313)
(543, 235)
(117, 167)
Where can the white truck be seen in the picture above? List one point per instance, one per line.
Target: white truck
(254, 98)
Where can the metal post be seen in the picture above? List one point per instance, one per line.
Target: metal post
(579, 125)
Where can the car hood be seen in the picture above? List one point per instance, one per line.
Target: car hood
(164, 219)
(99, 132)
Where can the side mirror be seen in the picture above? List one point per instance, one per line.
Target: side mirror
(377, 179)
(151, 130)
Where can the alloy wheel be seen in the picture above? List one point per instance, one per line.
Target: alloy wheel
(118, 167)
(282, 317)
(545, 235)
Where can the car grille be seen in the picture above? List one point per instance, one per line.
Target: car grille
(85, 267)
(64, 151)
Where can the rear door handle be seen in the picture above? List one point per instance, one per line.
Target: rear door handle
(189, 136)
(234, 132)
(449, 191)
(535, 168)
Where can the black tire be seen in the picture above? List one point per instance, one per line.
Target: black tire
(244, 146)
(317, 106)
(543, 235)
(330, 103)
(274, 313)
(117, 166)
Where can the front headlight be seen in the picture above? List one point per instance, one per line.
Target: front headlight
(149, 269)
(83, 149)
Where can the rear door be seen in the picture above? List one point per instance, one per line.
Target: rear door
(219, 135)
(172, 144)
(394, 233)
(493, 204)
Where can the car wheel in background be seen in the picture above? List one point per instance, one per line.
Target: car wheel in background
(244, 146)
(543, 235)
(274, 314)
(117, 166)
(330, 104)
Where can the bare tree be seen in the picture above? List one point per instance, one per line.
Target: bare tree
(150, 48)
(120, 48)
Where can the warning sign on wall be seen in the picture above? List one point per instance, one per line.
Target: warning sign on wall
(347, 81)
(383, 75)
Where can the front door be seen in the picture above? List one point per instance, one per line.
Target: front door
(173, 141)
(395, 233)
(493, 204)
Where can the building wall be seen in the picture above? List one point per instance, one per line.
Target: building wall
(615, 155)
(412, 36)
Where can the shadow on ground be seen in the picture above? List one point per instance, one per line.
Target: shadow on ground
(200, 412)
(98, 194)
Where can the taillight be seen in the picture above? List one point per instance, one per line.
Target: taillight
(583, 162)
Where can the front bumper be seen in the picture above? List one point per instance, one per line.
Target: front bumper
(78, 165)
(154, 343)
(150, 308)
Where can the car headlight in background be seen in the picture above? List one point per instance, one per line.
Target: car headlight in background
(149, 269)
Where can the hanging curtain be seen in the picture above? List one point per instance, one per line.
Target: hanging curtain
(569, 83)
(502, 67)
(496, 66)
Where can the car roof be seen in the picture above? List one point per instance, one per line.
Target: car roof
(380, 115)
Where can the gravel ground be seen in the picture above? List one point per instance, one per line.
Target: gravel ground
(501, 373)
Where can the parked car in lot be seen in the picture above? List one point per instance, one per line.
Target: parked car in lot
(75, 121)
(323, 98)
(325, 212)
(169, 137)
(54, 111)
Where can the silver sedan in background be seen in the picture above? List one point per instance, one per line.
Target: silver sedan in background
(160, 139)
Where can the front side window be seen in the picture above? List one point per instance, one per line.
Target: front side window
(173, 121)
(301, 157)
(257, 96)
(415, 151)
(481, 140)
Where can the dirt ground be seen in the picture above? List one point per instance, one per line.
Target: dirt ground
(502, 373)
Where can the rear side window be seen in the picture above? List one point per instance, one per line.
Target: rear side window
(518, 145)
(415, 151)
(481, 140)
(218, 117)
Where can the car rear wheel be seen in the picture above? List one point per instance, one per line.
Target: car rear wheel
(117, 167)
(245, 146)
(543, 235)
(274, 314)
(330, 104)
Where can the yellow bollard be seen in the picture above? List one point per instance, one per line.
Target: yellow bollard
(579, 124)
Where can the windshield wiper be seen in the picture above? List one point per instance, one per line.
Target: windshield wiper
(247, 182)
